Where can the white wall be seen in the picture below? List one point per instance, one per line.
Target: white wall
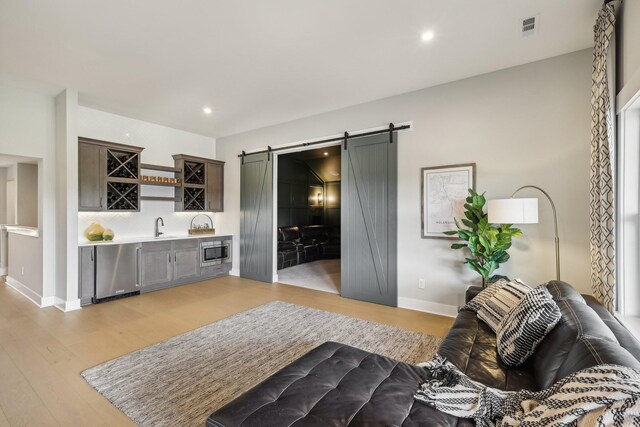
(3, 195)
(27, 128)
(524, 125)
(27, 195)
(11, 194)
(160, 144)
(66, 151)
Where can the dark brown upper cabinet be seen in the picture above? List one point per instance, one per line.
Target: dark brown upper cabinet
(215, 186)
(108, 176)
(202, 187)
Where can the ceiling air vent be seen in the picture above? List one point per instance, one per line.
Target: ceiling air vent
(530, 25)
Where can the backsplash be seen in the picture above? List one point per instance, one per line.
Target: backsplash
(134, 224)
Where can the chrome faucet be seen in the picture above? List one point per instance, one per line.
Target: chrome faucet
(159, 233)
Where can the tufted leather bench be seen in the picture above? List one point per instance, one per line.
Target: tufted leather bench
(334, 385)
(338, 385)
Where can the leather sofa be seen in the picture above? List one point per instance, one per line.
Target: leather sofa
(338, 385)
(300, 244)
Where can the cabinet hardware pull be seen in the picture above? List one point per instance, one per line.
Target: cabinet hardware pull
(139, 266)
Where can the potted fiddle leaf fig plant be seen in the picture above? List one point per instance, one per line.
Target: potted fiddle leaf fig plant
(487, 243)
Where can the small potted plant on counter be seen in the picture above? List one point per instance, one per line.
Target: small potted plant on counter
(487, 243)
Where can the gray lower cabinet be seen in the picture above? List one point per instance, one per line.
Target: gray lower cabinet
(87, 275)
(163, 264)
(186, 257)
(157, 265)
(171, 263)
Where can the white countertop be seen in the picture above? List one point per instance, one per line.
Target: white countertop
(25, 231)
(143, 239)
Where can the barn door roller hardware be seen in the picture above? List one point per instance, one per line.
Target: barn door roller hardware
(392, 128)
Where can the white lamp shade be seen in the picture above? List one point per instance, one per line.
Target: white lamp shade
(513, 211)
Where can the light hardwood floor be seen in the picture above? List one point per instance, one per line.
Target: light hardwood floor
(43, 351)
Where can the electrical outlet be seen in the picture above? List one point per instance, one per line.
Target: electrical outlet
(422, 283)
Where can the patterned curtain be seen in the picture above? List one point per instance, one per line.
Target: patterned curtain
(602, 160)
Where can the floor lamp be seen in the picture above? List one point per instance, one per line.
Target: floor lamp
(522, 211)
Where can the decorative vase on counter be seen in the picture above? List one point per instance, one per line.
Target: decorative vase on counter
(94, 232)
(97, 233)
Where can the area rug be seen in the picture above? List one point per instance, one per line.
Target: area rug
(182, 380)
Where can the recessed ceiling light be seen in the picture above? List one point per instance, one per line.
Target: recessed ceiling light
(427, 36)
(207, 110)
(326, 154)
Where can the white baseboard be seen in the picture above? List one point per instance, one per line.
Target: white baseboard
(66, 306)
(28, 293)
(274, 279)
(48, 301)
(428, 306)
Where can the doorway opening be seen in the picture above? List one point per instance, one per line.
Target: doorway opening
(20, 245)
(308, 218)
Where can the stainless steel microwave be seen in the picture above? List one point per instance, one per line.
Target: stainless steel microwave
(215, 252)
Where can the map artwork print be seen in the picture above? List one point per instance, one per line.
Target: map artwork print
(444, 193)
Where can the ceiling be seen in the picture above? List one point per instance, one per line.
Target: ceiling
(326, 166)
(257, 63)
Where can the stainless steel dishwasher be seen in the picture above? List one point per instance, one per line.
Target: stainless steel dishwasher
(117, 270)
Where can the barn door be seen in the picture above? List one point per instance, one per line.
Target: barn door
(369, 219)
(256, 217)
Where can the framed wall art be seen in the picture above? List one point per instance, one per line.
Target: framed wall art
(444, 190)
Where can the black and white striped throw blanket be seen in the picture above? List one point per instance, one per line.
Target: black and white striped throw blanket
(604, 395)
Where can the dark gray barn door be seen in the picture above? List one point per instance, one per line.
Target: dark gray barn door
(369, 220)
(256, 218)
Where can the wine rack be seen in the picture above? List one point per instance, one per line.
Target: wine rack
(194, 199)
(122, 196)
(123, 173)
(194, 173)
(122, 164)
